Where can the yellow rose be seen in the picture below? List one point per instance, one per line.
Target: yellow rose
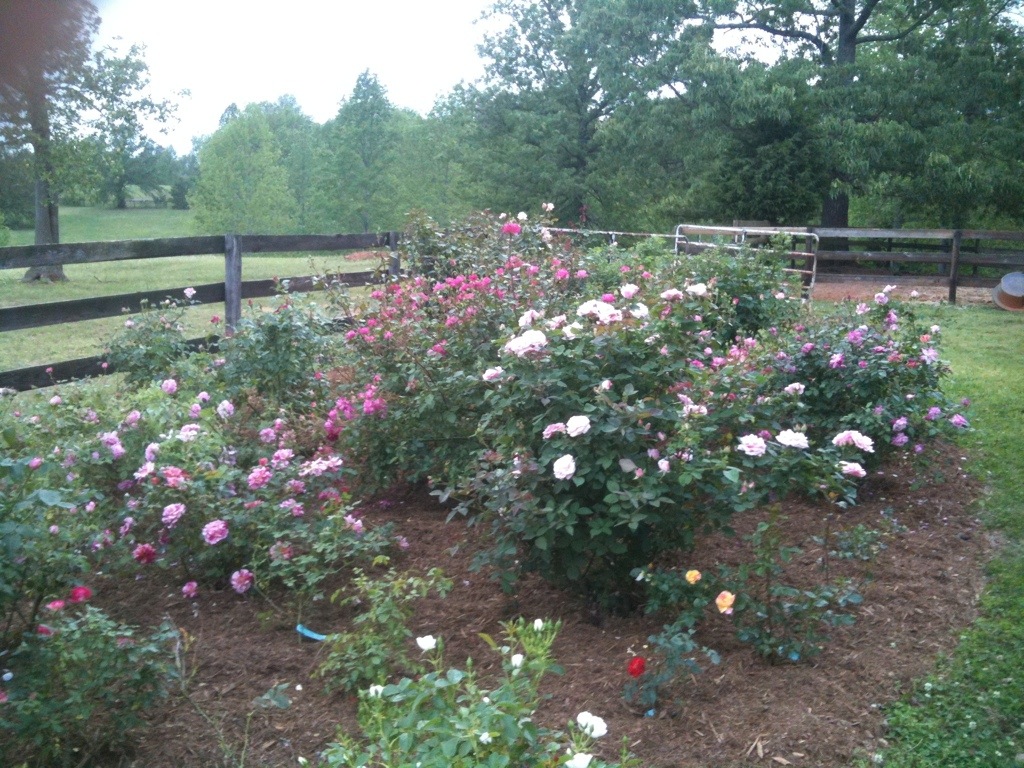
(692, 577)
(724, 601)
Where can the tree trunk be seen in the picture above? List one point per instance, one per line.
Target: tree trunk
(47, 228)
(47, 232)
(835, 208)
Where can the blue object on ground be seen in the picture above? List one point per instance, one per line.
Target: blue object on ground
(309, 633)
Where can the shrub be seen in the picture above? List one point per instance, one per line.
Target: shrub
(152, 345)
(40, 543)
(278, 354)
(79, 684)
(375, 648)
(448, 719)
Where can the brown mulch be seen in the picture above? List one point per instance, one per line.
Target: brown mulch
(862, 287)
(921, 591)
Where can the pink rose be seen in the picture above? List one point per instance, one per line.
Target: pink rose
(241, 580)
(215, 531)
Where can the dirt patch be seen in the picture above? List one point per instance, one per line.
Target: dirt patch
(921, 590)
(830, 287)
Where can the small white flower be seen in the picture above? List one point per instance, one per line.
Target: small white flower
(527, 343)
(486, 738)
(522, 216)
(538, 625)
(493, 374)
(517, 660)
(698, 289)
(579, 760)
(529, 317)
(375, 691)
(592, 725)
(426, 643)
(792, 439)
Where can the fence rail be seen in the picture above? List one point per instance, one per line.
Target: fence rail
(232, 291)
(944, 247)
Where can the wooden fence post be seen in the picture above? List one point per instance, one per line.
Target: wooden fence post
(954, 264)
(395, 267)
(232, 283)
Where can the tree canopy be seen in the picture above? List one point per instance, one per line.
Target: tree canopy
(626, 114)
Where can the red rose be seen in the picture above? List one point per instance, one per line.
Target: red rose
(80, 594)
(636, 666)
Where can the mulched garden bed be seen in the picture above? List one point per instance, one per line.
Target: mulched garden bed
(922, 590)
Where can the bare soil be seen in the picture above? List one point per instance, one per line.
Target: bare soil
(921, 590)
(863, 286)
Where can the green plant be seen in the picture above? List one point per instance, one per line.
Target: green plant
(152, 344)
(782, 621)
(80, 683)
(375, 648)
(856, 543)
(279, 355)
(40, 542)
(448, 719)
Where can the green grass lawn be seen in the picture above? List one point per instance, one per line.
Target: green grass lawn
(971, 711)
(65, 342)
(88, 225)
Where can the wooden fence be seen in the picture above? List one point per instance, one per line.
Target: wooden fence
(950, 249)
(231, 291)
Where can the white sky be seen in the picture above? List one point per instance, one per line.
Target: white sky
(244, 51)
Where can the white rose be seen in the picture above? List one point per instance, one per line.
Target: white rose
(564, 467)
(426, 643)
(577, 425)
(592, 725)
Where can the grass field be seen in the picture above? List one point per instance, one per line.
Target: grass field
(50, 344)
(971, 711)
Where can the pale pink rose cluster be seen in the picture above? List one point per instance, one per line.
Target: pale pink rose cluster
(753, 445)
(528, 343)
(856, 439)
(600, 311)
(574, 427)
(792, 439)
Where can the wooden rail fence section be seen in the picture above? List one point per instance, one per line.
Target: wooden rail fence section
(232, 291)
(944, 247)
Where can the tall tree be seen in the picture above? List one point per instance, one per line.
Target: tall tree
(357, 188)
(118, 86)
(43, 64)
(827, 34)
(297, 137)
(242, 186)
(955, 122)
(543, 103)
